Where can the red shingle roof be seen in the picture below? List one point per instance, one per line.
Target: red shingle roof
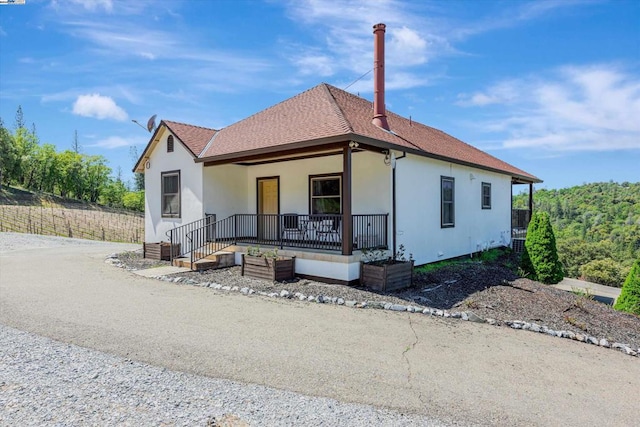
(325, 111)
(195, 138)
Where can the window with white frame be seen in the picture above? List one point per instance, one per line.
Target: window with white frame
(486, 195)
(325, 194)
(447, 198)
(171, 194)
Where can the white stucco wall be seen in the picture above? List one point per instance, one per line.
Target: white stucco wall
(230, 189)
(418, 210)
(191, 193)
(225, 190)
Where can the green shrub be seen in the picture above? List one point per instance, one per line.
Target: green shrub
(603, 271)
(574, 252)
(134, 200)
(629, 299)
(540, 258)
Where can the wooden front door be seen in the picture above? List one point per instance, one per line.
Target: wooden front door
(268, 208)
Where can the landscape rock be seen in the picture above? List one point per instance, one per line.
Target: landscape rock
(475, 318)
(376, 304)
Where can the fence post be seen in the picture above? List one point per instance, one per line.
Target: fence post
(102, 233)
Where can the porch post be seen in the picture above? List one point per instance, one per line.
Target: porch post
(347, 222)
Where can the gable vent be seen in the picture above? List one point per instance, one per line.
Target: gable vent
(170, 144)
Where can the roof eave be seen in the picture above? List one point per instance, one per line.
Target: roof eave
(139, 166)
(422, 153)
(308, 144)
(372, 142)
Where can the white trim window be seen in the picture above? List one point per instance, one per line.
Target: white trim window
(325, 194)
(447, 199)
(171, 194)
(486, 195)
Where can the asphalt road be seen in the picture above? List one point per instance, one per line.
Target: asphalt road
(447, 369)
(604, 294)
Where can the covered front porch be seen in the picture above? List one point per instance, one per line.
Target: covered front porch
(332, 201)
(335, 197)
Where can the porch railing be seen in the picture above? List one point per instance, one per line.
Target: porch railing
(520, 219)
(323, 232)
(178, 236)
(211, 238)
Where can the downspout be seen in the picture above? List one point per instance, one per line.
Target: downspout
(530, 202)
(394, 225)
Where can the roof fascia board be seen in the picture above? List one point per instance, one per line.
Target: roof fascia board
(314, 144)
(280, 149)
(194, 155)
(390, 146)
(146, 153)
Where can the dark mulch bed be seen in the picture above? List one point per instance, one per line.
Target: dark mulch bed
(488, 289)
(494, 291)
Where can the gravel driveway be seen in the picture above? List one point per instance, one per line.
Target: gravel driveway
(46, 382)
(146, 332)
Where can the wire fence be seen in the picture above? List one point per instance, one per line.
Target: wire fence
(108, 225)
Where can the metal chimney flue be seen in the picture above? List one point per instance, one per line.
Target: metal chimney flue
(379, 112)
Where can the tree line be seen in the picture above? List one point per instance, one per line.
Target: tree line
(596, 226)
(27, 163)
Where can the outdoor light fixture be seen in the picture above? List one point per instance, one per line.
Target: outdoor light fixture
(354, 144)
(387, 157)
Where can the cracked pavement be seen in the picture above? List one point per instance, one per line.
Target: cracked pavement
(455, 371)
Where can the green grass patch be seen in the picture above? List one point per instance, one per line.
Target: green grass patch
(490, 256)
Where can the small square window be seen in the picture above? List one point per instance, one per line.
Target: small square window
(486, 195)
(325, 194)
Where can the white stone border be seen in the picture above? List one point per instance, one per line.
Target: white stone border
(381, 305)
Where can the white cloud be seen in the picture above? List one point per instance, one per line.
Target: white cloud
(512, 16)
(321, 65)
(586, 108)
(99, 107)
(112, 142)
(501, 93)
(92, 5)
(344, 31)
(408, 47)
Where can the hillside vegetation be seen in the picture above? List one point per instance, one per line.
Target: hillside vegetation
(37, 213)
(597, 228)
(27, 163)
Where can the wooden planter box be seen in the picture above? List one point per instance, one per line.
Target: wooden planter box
(275, 269)
(160, 250)
(386, 277)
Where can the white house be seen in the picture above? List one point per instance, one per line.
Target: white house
(323, 175)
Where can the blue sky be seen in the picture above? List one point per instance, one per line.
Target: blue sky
(552, 87)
